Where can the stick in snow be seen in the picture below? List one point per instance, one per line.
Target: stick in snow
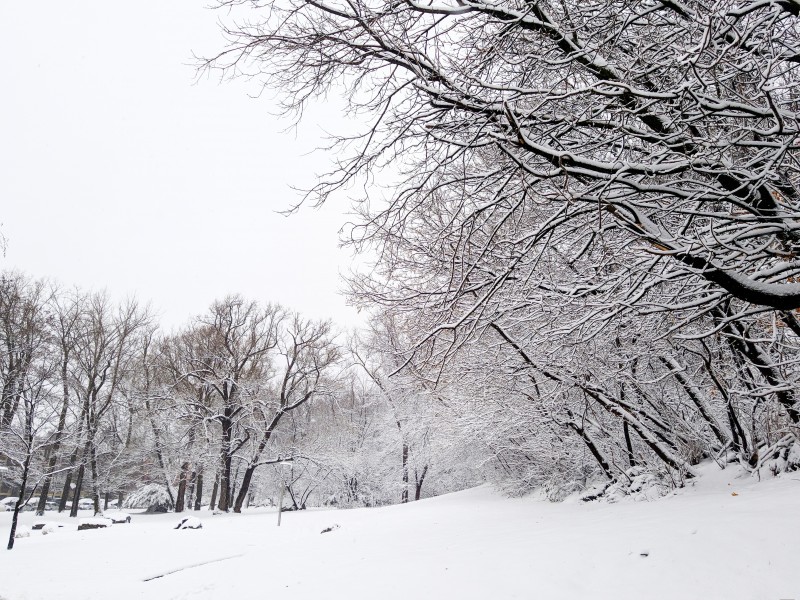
(208, 562)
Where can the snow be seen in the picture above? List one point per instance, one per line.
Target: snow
(23, 531)
(51, 528)
(699, 542)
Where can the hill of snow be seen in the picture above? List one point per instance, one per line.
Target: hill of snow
(725, 537)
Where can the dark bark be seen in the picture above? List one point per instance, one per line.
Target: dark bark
(62, 420)
(76, 494)
(598, 456)
(180, 501)
(738, 438)
(20, 501)
(198, 497)
(225, 457)
(419, 481)
(295, 504)
(699, 403)
(646, 435)
(626, 432)
(73, 459)
(214, 492)
(404, 494)
(190, 492)
(756, 356)
(246, 480)
(612, 405)
(95, 477)
(62, 505)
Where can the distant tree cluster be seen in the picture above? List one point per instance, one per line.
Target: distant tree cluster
(100, 408)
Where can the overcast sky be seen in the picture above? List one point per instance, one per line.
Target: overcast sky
(118, 172)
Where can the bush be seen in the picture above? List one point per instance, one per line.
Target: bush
(152, 498)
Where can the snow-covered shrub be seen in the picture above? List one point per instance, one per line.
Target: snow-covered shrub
(637, 483)
(781, 457)
(152, 497)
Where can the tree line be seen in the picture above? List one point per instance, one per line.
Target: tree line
(98, 403)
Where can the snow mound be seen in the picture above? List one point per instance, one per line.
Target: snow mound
(51, 527)
(22, 532)
(190, 523)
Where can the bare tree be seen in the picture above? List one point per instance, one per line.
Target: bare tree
(305, 354)
(106, 343)
(66, 311)
(226, 350)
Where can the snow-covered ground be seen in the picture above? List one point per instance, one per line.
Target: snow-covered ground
(703, 542)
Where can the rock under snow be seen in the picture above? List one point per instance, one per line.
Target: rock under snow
(119, 517)
(94, 523)
(190, 523)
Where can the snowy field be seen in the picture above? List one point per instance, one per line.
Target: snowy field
(703, 542)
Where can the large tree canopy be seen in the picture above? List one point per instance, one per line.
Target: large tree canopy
(562, 172)
(659, 132)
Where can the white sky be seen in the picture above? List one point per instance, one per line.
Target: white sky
(117, 172)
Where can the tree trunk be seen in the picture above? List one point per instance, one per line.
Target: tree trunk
(190, 493)
(79, 483)
(214, 492)
(404, 495)
(76, 494)
(198, 497)
(696, 397)
(72, 460)
(95, 476)
(419, 481)
(180, 501)
(248, 477)
(62, 420)
(739, 439)
(20, 500)
(626, 432)
(752, 351)
(225, 457)
(62, 503)
(598, 456)
(628, 444)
